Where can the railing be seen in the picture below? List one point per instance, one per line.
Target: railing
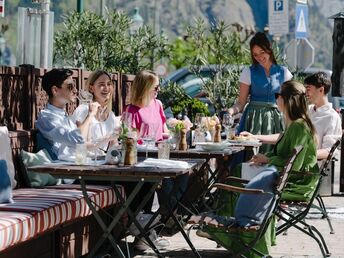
(22, 96)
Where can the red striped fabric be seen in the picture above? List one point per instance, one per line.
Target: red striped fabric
(36, 210)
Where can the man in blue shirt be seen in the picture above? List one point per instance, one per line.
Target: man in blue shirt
(57, 132)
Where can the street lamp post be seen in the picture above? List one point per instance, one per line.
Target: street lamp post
(80, 6)
(44, 33)
(137, 21)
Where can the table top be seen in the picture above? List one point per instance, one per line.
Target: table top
(112, 171)
(194, 153)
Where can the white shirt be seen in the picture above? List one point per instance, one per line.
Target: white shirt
(97, 129)
(245, 76)
(327, 124)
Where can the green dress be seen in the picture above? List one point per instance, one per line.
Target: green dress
(298, 187)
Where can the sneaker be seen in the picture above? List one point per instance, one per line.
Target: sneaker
(159, 242)
(143, 219)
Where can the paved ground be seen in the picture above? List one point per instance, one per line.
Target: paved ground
(294, 244)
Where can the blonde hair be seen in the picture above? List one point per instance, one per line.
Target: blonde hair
(295, 102)
(93, 78)
(140, 90)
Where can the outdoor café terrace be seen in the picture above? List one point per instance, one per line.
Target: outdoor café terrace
(22, 98)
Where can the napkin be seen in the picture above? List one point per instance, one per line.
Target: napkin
(163, 163)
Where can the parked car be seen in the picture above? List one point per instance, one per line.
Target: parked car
(192, 83)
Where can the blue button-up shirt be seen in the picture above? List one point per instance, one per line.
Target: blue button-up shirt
(56, 126)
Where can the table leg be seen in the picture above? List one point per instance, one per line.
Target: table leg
(107, 230)
(171, 214)
(143, 231)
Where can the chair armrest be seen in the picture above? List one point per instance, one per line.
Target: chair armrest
(231, 188)
(237, 179)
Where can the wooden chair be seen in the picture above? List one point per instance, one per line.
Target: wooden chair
(234, 231)
(294, 213)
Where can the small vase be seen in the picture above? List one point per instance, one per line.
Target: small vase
(182, 143)
(174, 140)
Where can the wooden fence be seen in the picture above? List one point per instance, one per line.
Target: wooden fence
(22, 96)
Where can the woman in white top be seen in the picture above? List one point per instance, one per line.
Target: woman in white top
(96, 120)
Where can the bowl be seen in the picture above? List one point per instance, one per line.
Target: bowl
(212, 146)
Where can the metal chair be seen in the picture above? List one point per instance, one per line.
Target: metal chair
(233, 230)
(293, 213)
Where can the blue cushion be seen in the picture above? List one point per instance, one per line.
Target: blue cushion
(5, 184)
(250, 209)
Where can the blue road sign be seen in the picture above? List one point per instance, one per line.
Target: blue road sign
(278, 5)
(301, 23)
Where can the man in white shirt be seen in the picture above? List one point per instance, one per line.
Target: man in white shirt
(325, 119)
(53, 123)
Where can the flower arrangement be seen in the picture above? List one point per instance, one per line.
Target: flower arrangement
(209, 123)
(176, 125)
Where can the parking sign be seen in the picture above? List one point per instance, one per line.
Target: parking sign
(278, 5)
(278, 17)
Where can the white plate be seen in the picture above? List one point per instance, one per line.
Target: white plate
(212, 146)
(245, 142)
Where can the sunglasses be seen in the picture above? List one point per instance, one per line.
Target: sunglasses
(156, 88)
(277, 94)
(70, 86)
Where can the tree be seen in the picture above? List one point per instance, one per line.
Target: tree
(94, 42)
(221, 47)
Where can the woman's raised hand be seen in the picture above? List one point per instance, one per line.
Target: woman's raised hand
(93, 108)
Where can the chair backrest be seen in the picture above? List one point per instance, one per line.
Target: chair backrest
(329, 157)
(283, 177)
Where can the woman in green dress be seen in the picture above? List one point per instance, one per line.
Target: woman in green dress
(291, 101)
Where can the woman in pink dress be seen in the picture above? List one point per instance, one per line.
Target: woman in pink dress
(144, 106)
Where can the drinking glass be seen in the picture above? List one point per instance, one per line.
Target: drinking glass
(198, 120)
(85, 97)
(163, 150)
(127, 119)
(80, 154)
(95, 138)
(227, 123)
(147, 134)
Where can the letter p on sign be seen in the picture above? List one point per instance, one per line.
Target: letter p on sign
(278, 5)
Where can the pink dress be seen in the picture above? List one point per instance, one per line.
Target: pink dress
(153, 115)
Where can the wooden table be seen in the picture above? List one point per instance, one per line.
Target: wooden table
(115, 173)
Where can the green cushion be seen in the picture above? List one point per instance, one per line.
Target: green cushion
(33, 159)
